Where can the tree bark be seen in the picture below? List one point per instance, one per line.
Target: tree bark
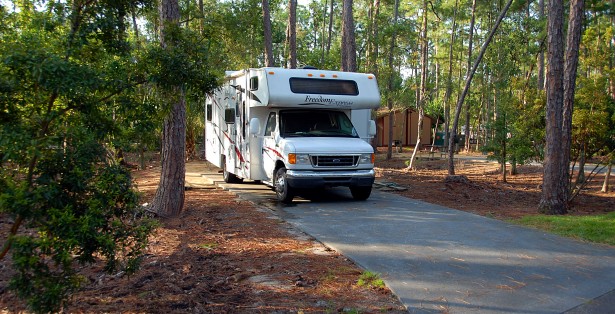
(423, 87)
(541, 55)
(580, 179)
(504, 160)
(470, 47)
(292, 34)
(391, 78)
(573, 42)
(375, 44)
(330, 32)
(323, 41)
(267, 34)
(607, 176)
(169, 198)
(561, 76)
(449, 81)
(349, 48)
(612, 58)
(551, 201)
(451, 142)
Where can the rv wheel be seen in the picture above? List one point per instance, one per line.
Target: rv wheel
(227, 176)
(282, 190)
(361, 193)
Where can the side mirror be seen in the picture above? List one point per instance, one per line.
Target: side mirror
(255, 126)
(372, 128)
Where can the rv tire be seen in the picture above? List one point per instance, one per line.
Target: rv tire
(360, 193)
(283, 191)
(227, 176)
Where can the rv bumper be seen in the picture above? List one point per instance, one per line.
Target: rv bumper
(313, 179)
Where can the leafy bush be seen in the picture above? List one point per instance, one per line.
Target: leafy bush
(79, 208)
(71, 203)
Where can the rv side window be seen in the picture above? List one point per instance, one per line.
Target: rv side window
(208, 111)
(254, 83)
(271, 124)
(229, 115)
(300, 85)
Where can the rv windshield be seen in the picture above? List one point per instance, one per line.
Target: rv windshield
(314, 123)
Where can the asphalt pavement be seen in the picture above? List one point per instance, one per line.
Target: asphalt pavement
(441, 260)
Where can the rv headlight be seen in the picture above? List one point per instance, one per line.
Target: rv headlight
(299, 159)
(367, 158)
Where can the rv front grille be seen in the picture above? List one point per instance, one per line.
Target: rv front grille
(335, 161)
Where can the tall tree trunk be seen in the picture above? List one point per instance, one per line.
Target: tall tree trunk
(573, 42)
(504, 160)
(202, 17)
(434, 133)
(267, 34)
(612, 58)
(375, 44)
(330, 32)
(449, 80)
(135, 27)
(391, 79)
(605, 184)
(607, 176)
(470, 47)
(551, 201)
(423, 87)
(169, 198)
(349, 47)
(292, 34)
(580, 179)
(201, 31)
(541, 55)
(369, 40)
(323, 40)
(451, 142)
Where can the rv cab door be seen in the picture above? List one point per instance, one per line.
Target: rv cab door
(270, 150)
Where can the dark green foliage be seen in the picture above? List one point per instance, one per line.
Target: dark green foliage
(65, 75)
(185, 62)
(517, 132)
(83, 208)
(87, 213)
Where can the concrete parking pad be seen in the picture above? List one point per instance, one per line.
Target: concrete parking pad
(438, 259)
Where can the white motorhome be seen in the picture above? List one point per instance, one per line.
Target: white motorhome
(293, 129)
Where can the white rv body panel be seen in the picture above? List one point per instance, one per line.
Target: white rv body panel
(282, 95)
(314, 124)
(361, 119)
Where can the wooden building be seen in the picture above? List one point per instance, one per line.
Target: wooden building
(405, 127)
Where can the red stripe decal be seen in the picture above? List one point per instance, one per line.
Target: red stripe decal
(236, 148)
(239, 154)
(274, 151)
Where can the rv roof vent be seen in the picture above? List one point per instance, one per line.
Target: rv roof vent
(309, 67)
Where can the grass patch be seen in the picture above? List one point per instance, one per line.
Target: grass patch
(370, 279)
(597, 228)
(208, 246)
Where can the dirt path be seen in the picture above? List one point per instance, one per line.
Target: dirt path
(485, 193)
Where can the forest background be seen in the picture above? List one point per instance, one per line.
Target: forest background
(84, 82)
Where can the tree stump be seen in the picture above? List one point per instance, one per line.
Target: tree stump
(457, 179)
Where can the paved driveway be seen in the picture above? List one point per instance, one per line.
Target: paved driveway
(437, 259)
